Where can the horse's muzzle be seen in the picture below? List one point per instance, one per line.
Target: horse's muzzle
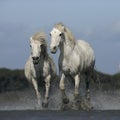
(53, 50)
(35, 60)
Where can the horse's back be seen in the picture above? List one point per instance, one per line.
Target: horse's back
(84, 44)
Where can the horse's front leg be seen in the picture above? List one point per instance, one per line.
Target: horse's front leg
(35, 85)
(62, 88)
(77, 83)
(47, 86)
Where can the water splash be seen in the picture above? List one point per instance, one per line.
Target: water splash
(26, 99)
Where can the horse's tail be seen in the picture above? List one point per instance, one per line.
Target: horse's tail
(95, 76)
(93, 73)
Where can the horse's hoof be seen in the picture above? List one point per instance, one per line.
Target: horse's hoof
(65, 100)
(86, 105)
(87, 97)
(76, 105)
(45, 105)
(38, 107)
(65, 107)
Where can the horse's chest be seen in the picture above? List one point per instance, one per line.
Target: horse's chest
(39, 71)
(69, 66)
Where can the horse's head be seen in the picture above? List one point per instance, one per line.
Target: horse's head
(56, 37)
(38, 47)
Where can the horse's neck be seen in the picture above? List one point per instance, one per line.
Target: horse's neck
(66, 47)
(44, 56)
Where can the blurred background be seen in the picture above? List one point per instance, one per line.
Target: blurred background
(97, 22)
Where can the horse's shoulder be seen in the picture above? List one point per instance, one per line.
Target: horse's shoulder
(27, 64)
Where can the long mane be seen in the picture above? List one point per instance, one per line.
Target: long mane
(62, 28)
(39, 36)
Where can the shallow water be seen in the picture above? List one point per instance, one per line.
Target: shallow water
(21, 105)
(26, 100)
(60, 115)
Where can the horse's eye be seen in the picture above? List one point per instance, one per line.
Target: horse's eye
(50, 34)
(30, 46)
(60, 34)
(41, 45)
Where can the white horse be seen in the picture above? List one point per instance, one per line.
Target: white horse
(40, 66)
(76, 57)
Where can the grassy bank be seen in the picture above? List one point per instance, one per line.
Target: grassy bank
(15, 80)
(12, 80)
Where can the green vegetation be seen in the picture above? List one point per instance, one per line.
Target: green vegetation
(107, 82)
(116, 76)
(11, 80)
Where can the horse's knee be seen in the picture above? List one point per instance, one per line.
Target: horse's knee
(62, 86)
(76, 92)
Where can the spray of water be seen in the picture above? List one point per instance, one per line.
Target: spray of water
(26, 99)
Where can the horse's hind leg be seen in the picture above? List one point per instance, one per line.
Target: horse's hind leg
(35, 85)
(76, 92)
(89, 74)
(62, 87)
(85, 102)
(47, 86)
(87, 80)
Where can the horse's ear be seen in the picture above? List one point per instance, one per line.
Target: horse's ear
(63, 28)
(31, 39)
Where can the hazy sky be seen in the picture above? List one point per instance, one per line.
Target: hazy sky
(96, 21)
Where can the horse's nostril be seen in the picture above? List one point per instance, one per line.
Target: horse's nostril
(54, 48)
(35, 58)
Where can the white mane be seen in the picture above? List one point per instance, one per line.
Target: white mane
(39, 36)
(62, 28)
